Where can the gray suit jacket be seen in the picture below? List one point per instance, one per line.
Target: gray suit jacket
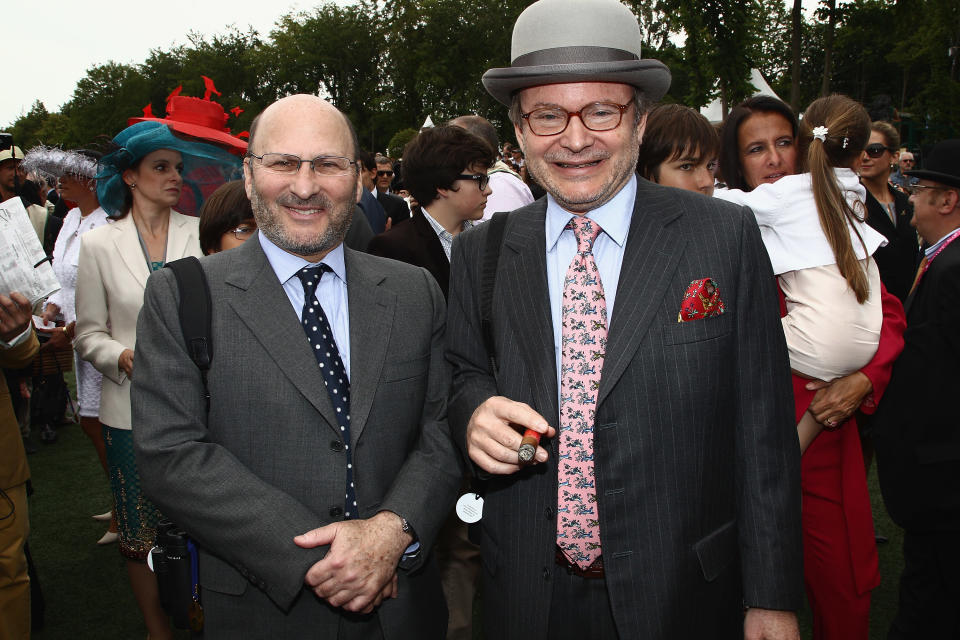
(695, 444)
(267, 463)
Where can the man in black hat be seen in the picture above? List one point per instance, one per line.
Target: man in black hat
(664, 495)
(916, 428)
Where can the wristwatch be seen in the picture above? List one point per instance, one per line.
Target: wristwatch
(412, 553)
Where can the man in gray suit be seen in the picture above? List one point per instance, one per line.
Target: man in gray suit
(323, 462)
(664, 496)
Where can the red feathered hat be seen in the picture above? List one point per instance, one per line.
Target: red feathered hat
(199, 118)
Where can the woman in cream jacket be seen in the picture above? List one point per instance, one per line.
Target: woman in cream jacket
(138, 184)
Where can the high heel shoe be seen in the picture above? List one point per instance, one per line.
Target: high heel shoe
(108, 538)
(103, 517)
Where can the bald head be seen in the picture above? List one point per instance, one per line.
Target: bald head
(480, 127)
(294, 111)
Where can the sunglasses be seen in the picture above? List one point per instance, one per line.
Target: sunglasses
(482, 179)
(876, 150)
(385, 173)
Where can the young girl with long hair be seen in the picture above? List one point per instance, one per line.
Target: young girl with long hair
(813, 226)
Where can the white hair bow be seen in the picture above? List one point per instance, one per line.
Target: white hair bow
(820, 133)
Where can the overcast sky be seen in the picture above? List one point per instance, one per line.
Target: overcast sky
(54, 42)
(50, 45)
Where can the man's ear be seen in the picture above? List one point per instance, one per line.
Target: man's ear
(247, 177)
(641, 127)
(950, 202)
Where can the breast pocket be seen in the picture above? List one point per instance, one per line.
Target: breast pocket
(699, 330)
(406, 369)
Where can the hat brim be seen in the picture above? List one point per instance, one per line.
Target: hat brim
(235, 145)
(650, 76)
(936, 176)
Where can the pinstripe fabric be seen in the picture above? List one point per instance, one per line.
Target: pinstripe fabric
(696, 458)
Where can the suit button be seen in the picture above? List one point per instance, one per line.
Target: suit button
(336, 445)
(546, 573)
(549, 512)
(336, 512)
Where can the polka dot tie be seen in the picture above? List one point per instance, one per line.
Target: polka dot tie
(584, 342)
(320, 337)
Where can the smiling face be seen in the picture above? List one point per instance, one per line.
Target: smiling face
(876, 167)
(157, 179)
(303, 213)
(582, 169)
(767, 148)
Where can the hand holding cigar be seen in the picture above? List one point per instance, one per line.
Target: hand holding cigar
(494, 439)
(528, 446)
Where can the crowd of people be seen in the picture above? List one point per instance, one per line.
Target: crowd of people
(411, 386)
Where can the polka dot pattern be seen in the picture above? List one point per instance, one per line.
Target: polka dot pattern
(334, 374)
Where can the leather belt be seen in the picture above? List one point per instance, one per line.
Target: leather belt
(593, 572)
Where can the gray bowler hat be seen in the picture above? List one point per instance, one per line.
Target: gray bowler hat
(556, 41)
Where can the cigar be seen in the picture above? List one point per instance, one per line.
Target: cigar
(528, 446)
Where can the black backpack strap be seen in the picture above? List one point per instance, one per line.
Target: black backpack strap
(488, 279)
(195, 314)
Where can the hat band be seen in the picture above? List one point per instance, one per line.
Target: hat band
(572, 55)
(200, 119)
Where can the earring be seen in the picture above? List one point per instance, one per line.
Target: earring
(133, 185)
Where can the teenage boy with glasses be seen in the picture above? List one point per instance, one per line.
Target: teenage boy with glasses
(445, 170)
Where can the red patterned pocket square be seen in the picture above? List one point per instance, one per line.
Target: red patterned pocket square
(702, 300)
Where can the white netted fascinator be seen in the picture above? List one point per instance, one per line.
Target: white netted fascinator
(53, 163)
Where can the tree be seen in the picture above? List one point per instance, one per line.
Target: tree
(336, 51)
(399, 141)
(796, 33)
(103, 101)
(831, 12)
(721, 40)
(26, 129)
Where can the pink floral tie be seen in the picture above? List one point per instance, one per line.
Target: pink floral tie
(584, 340)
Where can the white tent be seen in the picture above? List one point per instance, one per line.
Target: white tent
(714, 112)
(427, 124)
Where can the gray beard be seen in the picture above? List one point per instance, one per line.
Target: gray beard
(270, 224)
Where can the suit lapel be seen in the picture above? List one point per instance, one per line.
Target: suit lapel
(126, 241)
(431, 239)
(653, 250)
(371, 312)
(523, 268)
(257, 297)
(178, 235)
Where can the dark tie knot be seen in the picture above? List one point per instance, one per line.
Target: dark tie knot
(310, 278)
(586, 232)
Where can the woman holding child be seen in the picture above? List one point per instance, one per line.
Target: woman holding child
(843, 329)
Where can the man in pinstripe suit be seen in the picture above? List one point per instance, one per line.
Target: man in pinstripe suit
(674, 434)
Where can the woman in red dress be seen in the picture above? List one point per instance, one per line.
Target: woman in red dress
(758, 145)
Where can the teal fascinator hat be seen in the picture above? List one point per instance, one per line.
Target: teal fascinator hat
(205, 166)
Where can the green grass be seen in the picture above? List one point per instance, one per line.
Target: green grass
(85, 586)
(86, 589)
